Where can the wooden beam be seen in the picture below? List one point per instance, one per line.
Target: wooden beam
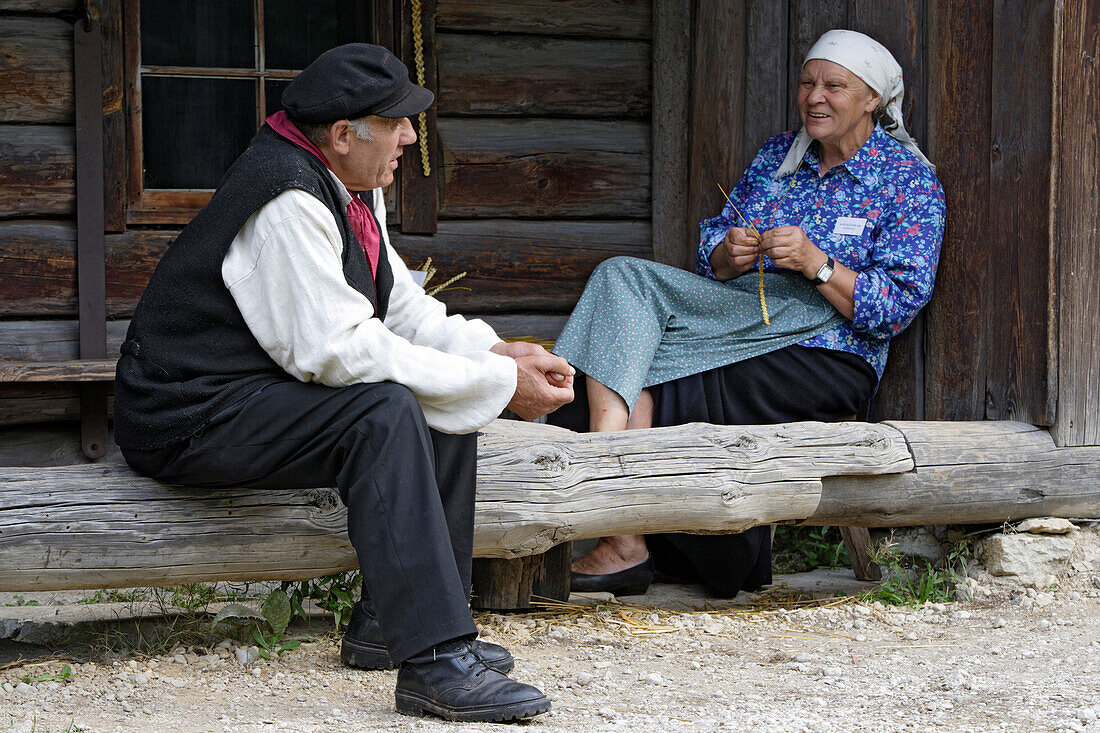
(545, 169)
(1077, 237)
(79, 370)
(38, 70)
(538, 486)
(603, 19)
(38, 176)
(670, 130)
(491, 75)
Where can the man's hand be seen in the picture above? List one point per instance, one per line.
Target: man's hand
(735, 254)
(544, 383)
(789, 247)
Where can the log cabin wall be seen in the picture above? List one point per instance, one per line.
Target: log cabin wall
(979, 96)
(543, 118)
(543, 170)
(546, 154)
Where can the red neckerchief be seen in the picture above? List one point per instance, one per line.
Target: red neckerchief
(362, 223)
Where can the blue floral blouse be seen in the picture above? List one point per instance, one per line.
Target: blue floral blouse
(883, 190)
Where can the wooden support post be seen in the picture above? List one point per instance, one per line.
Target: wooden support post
(510, 585)
(856, 539)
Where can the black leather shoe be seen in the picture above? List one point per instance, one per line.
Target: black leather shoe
(364, 648)
(450, 680)
(633, 581)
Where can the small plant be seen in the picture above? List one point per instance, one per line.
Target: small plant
(65, 673)
(274, 614)
(20, 601)
(334, 593)
(108, 595)
(913, 583)
(798, 549)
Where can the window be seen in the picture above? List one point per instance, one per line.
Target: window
(204, 74)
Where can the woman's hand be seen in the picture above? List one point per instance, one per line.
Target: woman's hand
(736, 253)
(789, 247)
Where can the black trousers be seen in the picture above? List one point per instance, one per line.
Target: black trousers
(787, 385)
(409, 490)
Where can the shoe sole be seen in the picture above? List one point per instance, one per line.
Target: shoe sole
(373, 656)
(415, 705)
(365, 656)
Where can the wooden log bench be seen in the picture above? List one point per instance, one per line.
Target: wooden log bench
(100, 525)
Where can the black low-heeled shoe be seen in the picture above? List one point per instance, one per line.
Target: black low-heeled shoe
(634, 581)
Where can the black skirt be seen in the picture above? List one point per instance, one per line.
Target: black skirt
(787, 385)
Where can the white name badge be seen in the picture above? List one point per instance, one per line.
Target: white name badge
(849, 225)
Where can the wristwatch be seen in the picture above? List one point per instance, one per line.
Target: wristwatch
(825, 272)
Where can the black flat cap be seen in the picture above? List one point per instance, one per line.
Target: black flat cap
(351, 81)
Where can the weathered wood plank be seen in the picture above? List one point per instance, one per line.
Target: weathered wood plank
(32, 404)
(1077, 236)
(37, 178)
(55, 444)
(96, 526)
(38, 268)
(420, 175)
(77, 370)
(536, 169)
(959, 93)
(115, 166)
(765, 73)
(673, 230)
(37, 58)
(590, 18)
(521, 266)
(481, 75)
(1019, 348)
(38, 6)
(509, 263)
(717, 107)
(970, 473)
(808, 19)
(50, 340)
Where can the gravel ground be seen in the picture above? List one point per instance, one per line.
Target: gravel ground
(1014, 658)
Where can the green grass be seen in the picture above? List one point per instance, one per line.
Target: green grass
(799, 549)
(912, 583)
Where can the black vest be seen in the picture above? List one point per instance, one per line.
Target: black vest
(188, 353)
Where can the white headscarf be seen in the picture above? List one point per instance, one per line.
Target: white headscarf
(874, 64)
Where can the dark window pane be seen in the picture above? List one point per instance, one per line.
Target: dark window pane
(273, 89)
(193, 129)
(215, 33)
(298, 31)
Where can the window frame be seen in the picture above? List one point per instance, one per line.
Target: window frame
(167, 206)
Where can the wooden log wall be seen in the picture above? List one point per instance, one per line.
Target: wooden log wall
(1078, 236)
(546, 145)
(543, 120)
(983, 349)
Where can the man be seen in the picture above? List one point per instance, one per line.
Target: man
(281, 342)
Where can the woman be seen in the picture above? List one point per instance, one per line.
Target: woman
(848, 218)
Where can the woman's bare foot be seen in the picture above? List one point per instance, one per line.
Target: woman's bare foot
(612, 554)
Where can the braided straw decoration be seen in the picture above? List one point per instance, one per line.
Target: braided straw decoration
(418, 55)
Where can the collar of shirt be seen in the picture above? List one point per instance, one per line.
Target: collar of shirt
(867, 162)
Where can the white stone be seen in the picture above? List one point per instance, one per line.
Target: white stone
(23, 687)
(832, 672)
(1025, 556)
(140, 678)
(1046, 525)
(999, 623)
(1086, 715)
(242, 656)
(584, 678)
(653, 679)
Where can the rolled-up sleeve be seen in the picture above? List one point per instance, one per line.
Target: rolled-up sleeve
(890, 292)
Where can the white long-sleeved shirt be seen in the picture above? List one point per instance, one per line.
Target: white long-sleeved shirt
(285, 272)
